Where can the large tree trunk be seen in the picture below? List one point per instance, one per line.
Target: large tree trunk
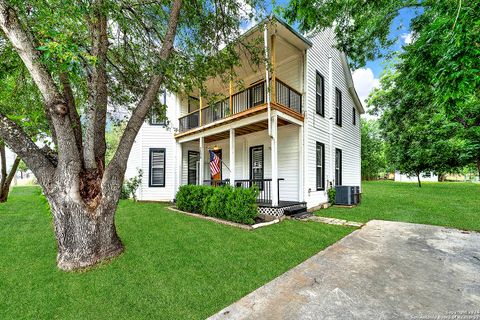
(83, 197)
(84, 237)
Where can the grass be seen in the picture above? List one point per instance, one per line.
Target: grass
(455, 205)
(174, 266)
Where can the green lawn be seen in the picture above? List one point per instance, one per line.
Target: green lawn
(451, 204)
(174, 266)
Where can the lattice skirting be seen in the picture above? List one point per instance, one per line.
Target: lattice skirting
(277, 211)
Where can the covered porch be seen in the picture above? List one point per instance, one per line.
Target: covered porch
(250, 156)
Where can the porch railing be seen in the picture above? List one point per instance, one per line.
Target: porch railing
(250, 97)
(264, 186)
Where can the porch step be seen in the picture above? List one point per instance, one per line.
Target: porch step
(294, 212)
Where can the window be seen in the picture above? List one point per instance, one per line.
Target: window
(320, 95)
(338, 107)
(157, 168)
(193, 159)
(338, 167)
(354, 116)
(320, 166)
(256, 165)
(157, 115)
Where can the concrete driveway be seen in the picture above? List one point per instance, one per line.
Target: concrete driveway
(386, 270)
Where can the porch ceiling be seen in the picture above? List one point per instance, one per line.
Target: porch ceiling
(254, 127)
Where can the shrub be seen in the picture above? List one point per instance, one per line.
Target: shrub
(130, 187)
(191, 197)
(331, 195)
(225, 202)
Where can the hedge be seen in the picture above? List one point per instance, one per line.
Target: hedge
(225, 202)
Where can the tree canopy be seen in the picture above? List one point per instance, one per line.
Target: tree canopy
(430, 102)
(86, 57)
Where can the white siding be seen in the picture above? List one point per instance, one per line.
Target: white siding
(154, 136)
(288, 153)
(316, 128)
(346, 138)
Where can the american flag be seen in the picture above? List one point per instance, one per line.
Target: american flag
(214, 163)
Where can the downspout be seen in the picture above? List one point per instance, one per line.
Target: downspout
(331, 111)
(267, 77)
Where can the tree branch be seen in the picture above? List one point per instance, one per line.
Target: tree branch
(95, 145)
(3, 159)
(12, 172)
(116, 168)
(72, 110)
(26, 149)
(56, 108)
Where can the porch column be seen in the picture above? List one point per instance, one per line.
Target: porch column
(179, 166)
(274, 145)
(232, 157)
(202, 161)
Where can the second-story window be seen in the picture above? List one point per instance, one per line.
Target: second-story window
(338, 107)
(320, 95)
(354, 116)
(158, 113)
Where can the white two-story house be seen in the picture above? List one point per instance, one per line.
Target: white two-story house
(294, 135)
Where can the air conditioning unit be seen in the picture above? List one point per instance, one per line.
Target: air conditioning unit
(347, 195)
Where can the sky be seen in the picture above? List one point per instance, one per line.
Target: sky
(367, 78)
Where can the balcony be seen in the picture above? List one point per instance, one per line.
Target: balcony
(240, 102)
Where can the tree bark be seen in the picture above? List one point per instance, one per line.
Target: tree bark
(418, 178)
(5, 187)
(83, 206)
(84, 237)
(95, 145)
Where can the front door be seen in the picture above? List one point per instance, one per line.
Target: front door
(256, 165)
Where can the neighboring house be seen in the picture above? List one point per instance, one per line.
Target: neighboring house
(314, 140)
(424, 176)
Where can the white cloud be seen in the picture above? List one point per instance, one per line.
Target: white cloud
(407, 37)
(365, 82)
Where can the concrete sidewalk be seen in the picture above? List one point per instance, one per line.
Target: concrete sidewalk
(386, 270)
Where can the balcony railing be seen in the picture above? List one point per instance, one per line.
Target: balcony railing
(252, 96)
(287, 96)
(264, 186)
(189, 121)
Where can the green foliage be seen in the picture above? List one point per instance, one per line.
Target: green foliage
(112, 138)
(225, 202)
(130, 186)
(449, 204)
(191, 197)
(332, 192)
(430, 103)
(164, 251)
(373, 150)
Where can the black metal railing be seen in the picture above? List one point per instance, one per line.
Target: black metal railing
(189, 121)
(287, 96)
(216, 111)
(250, 97)
(216, 183)
(264, 186)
